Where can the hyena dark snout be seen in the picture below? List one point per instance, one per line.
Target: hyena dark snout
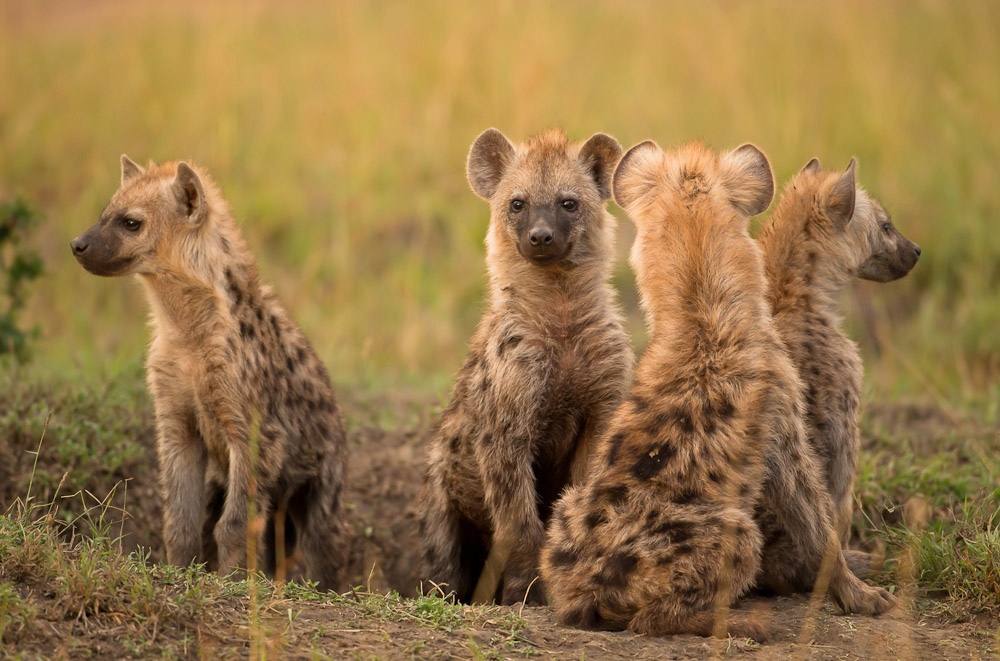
(544, 237)
(99, 250)
(896, 258)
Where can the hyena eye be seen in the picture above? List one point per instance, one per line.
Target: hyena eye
(885, 226)
(516, 205)
(569, 205)
(131, 224)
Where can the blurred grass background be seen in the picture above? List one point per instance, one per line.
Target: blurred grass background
(338, 131)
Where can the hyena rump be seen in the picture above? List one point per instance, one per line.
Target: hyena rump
(825, 231)
(546, 367)
(231, 375)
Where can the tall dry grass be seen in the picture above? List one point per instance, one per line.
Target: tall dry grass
(339, 130)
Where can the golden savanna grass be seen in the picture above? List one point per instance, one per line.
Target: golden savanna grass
(338, 131)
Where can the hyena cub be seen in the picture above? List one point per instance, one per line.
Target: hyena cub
(662, 537)
(825, 231)
(662, 531)
(240, 396)
(546, 368)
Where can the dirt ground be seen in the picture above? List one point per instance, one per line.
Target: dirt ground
(385, 471)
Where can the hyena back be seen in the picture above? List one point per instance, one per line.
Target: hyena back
(825, 231)
(661, 537)
(240, 396)
(546, 367)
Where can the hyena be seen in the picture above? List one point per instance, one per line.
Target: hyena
(825, 231)
(242, 402)
(662, 536)
(545, 370)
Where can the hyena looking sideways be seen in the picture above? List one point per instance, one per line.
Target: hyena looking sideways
(228, 371)
(826, 231)
(661, 537)
(546, 367)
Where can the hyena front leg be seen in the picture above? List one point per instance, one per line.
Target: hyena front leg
(511, 499)
(440, 533)
(182, 460)
(231, 536)
(804, 547)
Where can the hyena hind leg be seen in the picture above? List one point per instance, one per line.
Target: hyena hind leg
(661, 618)
(322, 535)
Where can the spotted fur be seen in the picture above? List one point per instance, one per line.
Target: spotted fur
(825, 231)
(242, 402)
(546, 367)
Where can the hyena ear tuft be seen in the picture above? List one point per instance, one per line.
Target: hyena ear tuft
(840, 202)
(812, 167)
(130, 169)
(749, 179)
(636, 173)
(190, 194)
(599, 155)
(489, 156)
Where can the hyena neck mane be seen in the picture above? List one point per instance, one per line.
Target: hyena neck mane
(202, 278)
(701, 287)
(804, 256)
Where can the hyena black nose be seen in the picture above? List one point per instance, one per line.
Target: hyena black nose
(79, 246)
(540, 236)
(916, 251)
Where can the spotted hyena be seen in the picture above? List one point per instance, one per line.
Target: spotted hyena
(662, 537)
(545, 369)
(826, 231)
(243, 405)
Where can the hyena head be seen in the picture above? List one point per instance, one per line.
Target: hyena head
(855, 229)
(693, 188)
(152, 211)
(546, 195)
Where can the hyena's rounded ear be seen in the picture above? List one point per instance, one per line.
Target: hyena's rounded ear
(489, 156)
(840, 201)
(599, 155)
(749, 179)
(636, 173)
(130, 169)
(812, 167)
(190, 194)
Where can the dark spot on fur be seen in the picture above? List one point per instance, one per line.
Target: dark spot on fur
(716, 477)
(246, 330)
(509, 342)
(595, 519)
(453, 443)
(651, 462)
(616, 570)
(686, 497)
(683, 549)
(614, 445)
(677, 531)
(563, 557)
(612, 495)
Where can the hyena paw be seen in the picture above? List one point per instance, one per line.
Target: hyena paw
(747, 626)
(866, 600)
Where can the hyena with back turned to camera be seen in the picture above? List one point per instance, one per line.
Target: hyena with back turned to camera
(241, 398)
(826, 231)
(661, 538)
(548, 365)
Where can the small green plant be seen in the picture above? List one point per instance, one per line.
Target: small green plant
(18, 267)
